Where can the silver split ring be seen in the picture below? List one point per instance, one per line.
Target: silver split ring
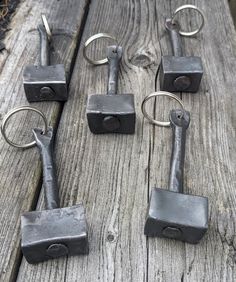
(193, 7)
(90, 40)
(46, 26)
(153, 95)
(11, 113)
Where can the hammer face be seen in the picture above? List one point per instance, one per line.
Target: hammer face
(176, 216)
(111, 113)
(45, 83)
(53, 233)
(180, 73)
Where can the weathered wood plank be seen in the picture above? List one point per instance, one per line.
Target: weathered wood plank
(20, 170)
(108, 173)
(210, 154)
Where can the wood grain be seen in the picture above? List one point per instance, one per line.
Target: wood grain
(20, 170)
(113, 174)
(210, 155)
(108, 173)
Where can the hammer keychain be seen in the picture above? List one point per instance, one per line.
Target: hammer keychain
(171, 213)
(53, 232)
(178, 72)
(110, 113)
(45, 82)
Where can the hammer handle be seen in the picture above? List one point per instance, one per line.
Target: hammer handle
(114, 54)
(44, 46)
(179, 120)
(176, 43)
(45, 145)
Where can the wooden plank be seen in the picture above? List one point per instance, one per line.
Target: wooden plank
(210, 154)
(108, 173)
(20, 170)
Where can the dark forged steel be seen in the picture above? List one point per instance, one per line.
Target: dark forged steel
(111, 113)
(179, 73)
(171, 213)
(53, 232)
(45, 82)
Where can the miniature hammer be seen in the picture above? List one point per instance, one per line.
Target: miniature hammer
(45, 82)
(179, 73)
(111, 113)
(171, 213)
(53, 232)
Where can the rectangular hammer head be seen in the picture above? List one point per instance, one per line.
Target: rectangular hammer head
(176, 216)
(53, 233)
(180, 74)
(45, 83)
(111, 113)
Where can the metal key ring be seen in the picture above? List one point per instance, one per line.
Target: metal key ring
(11, 113)
(46, 26)
(193, 7)
(90, 40)
(155, 94)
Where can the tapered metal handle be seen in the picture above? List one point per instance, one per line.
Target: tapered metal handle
(45, 145)
(175, 38)
(44, 46)
(179, 120)
(114, 54)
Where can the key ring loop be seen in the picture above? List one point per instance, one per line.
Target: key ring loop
(193, 7)
(90, 40)
(11, 113)
(157, 94)
(46, 26)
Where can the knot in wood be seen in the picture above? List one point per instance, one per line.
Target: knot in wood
(141, 59)
(110, 237)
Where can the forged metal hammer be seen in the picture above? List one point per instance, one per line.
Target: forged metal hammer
(171, 213)
(53, 232)
(179, 73)
(111, 113)
(45, 82)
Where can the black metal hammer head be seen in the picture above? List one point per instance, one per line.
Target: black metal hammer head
(171, 213)
(176, 216)
(177, 72)
(45, 83)
(180, 73)
(111, 113)
(53, 233)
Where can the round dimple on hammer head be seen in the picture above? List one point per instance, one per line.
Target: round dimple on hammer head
(46, 92)
(172, 232)
(57, 250)
(182, 83)
(111, 123)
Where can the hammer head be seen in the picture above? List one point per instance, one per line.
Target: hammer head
(45, 83)
(111, 113)
(176, 216)
(53, 233)
(180, 73)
